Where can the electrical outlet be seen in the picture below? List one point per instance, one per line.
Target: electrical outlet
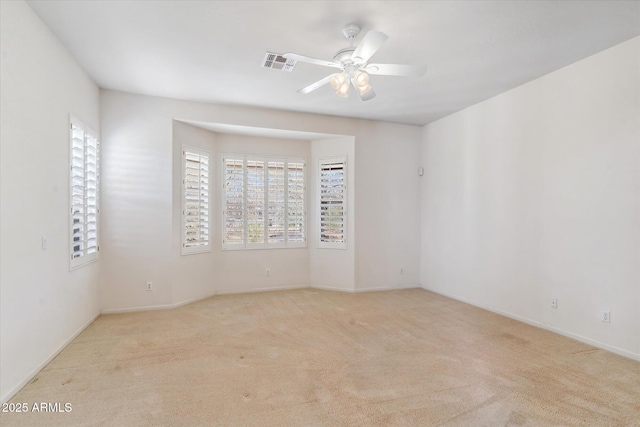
(44, 243)
(606, 316)
(149, 286)
(554, 302)
(267, 272)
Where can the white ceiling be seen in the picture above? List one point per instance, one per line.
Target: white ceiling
(212, 50)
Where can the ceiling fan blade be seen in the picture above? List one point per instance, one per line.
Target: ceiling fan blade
(370, 94)
(368, 46)
(309, 60)
(317, 84)
(396, 70)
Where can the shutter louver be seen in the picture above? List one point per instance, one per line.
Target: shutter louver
(84, 193)
(195, 203)
(332, 203)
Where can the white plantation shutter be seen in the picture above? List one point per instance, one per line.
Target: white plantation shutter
(92, 178)
(295, 203)
(333, 206)
(84, 181)
(276, 197)
(77, 192)
(233, 202)
(255, 201)
(264, 201)
(195, 201)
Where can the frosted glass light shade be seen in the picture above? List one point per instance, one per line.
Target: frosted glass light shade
(364, 89)
(338, 81)
(343, 90)
(361, 78)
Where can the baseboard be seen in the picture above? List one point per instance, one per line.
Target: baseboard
(331, 288)
(192, 300)
(136, 309)
(583, 339)
(358, 290)
(392, 288)
(48, 360)
(249, 291)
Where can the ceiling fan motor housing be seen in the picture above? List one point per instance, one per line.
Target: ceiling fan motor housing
(343, 56)
(351, 31)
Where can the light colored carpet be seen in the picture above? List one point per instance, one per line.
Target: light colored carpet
(319, 358)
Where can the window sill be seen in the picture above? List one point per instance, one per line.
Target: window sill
(195, 251)
(75, 264)
(257, 248)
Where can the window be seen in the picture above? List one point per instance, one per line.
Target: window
(333, 203)
(264, 202)
(195, 201)
(84, 182)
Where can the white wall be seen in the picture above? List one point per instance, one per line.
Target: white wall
(387, 207)
(534, 194)
(43, 304)
(138, 213)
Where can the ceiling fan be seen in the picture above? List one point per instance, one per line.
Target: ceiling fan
(354, 63)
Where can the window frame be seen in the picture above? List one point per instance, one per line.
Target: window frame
(84, 259)
(183, 223)
(333, 245)
(265, 244)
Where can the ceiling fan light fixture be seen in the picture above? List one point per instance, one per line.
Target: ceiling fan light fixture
(337, 81)
(343, 90)
(364, 89)
(361, 78)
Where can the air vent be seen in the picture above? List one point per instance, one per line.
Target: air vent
(278, 62)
